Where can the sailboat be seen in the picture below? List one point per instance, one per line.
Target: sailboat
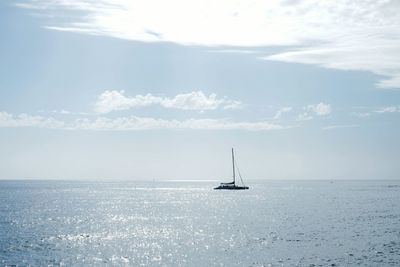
(232, 185)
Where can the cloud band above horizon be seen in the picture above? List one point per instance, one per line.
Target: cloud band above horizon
(132, 123)
(116, 100)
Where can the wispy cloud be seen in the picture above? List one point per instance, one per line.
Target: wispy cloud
(321, 109)
(304, 117)
(282, 111)
(133, 123)
(142, 123)
(361, 114)
(55, 111)
(8, 120)
(116, 100)
(233, 51)
(343, 34)
(64, 112)
(391, 109)
(333, 127)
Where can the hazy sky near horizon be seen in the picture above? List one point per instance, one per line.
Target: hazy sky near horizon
(118, 89)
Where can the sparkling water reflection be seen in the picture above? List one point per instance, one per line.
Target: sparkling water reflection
(285, 223)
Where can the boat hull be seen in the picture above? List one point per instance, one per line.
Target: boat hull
(227, 187)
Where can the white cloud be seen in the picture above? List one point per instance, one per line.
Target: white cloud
(61, 111)
(8, 120)
(114, 100)
(333, 127)
(141, 123)
(304, 117)
(391, 109)
(233, 104)
(280, 112)
(342, 34)
(199, 22)
(320, 109)
(132, 123)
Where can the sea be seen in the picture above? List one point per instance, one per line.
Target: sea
(187, 223)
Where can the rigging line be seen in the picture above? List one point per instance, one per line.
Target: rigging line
(237, 167)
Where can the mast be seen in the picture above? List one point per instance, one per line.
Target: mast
(233, 166)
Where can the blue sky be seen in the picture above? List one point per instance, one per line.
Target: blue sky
(118, 90)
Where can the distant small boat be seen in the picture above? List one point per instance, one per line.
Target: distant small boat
(232, 185)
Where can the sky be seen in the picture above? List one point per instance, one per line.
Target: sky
(143, 90)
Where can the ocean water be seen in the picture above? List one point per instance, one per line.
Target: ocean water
(275, 223)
